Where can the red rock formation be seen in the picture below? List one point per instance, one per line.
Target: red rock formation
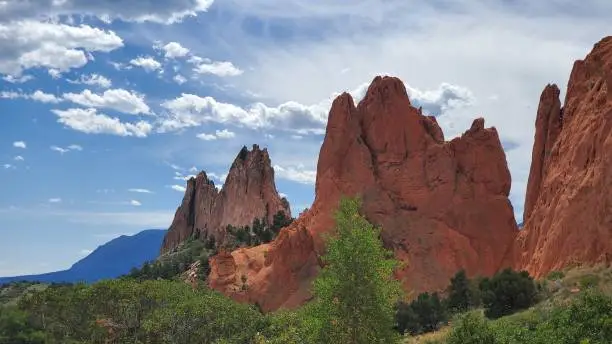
(442, 205)
(568, 217)
(249, 192)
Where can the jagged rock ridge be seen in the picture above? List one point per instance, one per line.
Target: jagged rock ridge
(249, 192)
(568, 206)
(442, 205)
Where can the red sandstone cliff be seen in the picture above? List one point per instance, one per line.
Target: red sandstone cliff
(442, 205)
(249, 192)
(568, 206)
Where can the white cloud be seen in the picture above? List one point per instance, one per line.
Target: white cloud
(44, 97)
(425, 44)
(91, 122)
(218, 68)
(19, 144)
(296, 174)
(219, 134)
(67, 149)
(55, 200)
(140, 190)
(206, 137)
(30, 44)
(179, 188)
(18, 158)
(135, 203)
(7, 166)
(173, 50)
(75, 147)
(148, 63)
(17, 80)
(93, 80)
(219, 177)
(117, 99)
(179, 79)
(163, 12)
(38, 95)
(85, 252)
(193, 169)
(189, 110)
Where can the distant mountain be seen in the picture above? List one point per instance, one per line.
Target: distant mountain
(111, 260)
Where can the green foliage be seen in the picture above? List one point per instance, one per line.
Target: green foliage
(14, 328)
(153, 312)
(425, 314)
(460, 297)
(471, 328)
(507, 292)
(555, 275)
(355, 292)
(259, 233)
(589, 281)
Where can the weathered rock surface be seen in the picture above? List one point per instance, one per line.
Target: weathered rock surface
(249, 192)
(442, 205)
(568, 206)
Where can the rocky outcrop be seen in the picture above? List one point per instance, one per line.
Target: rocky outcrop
(568, 206)
(249, 192)
(442, 205)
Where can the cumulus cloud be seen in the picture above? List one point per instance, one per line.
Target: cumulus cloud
(44, 97)
(218, 68)
(93, 80)
(296, 174)
(18, 158)
(174, 49)
(137, 190)
(19, 144)
(189, 110)
(219, 134)
(30, 44)
(7, 166)
(55, 200)
(116, 99)
(91, 122)
(67, 149)
(135, 203)
(147, 63)
(163, 12)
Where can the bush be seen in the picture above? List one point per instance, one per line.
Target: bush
(507, 292)
(425, 314)
(555, 275)
(471, 328)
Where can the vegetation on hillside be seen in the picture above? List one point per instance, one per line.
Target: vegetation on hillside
(356, 300)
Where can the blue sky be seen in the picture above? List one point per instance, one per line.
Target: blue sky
(103, 116)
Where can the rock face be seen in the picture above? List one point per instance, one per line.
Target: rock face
(442, 205)
(568, 206)
(249, 192)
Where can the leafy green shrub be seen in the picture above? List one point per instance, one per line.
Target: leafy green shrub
(507, 292)
(471, 328)
(425, 314)
(555, 275)
(589, 281)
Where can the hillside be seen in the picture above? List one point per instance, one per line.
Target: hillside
(111, 260)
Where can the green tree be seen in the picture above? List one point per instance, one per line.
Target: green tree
(425, 314)
(459, 298)
(355, 292)
(507, 292)
(472, 328)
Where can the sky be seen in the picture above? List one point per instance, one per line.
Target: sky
(107, 106)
